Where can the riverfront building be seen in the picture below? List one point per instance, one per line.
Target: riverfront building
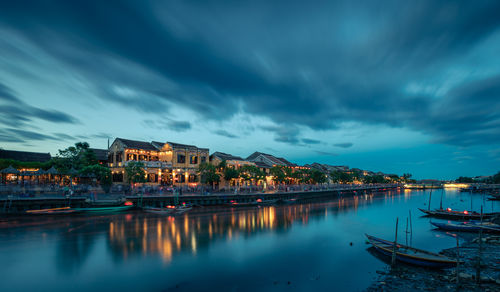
(165, 163)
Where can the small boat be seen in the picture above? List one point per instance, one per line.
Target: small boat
(458, 215)
(168, 210)
(286, 201)
(53, 211)
(412, 255)
(472, 226)
(99, 210)
(258, 202)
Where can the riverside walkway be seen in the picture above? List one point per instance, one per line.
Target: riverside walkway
(12, 204)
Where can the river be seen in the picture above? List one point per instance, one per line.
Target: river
(302, 247)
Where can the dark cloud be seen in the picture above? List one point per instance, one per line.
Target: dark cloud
(64, 136)
(469, 115)
(325, 153)
(168, 124)
(315, 66)
(310, 141)
(284, 134)
(225, 133)
(7, 95)
(343, 145)
(17, 113)
(29, 135)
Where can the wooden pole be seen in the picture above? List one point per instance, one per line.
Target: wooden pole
(411, 229)
(393, 261)
(406, 232)
(478, 268)
(441, 202)
(458, 262)
(430, 196)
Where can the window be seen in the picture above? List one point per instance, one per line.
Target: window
(181, 158)
(193, 159)
(203, 159)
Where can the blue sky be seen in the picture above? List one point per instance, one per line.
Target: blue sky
(396, 86)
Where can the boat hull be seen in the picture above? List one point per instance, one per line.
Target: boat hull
(457, 215)
(437, 261)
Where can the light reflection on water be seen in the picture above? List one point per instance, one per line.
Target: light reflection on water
(308, 245)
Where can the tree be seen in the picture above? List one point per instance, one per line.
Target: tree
(77, 157)
(230, 173)
(101, 173)
(208, 174)
(317, 177)
(278, 174)
(135, 172)
(340, 177)
(249, 172)
(496, 178)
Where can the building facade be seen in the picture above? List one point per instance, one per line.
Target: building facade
(164, 163)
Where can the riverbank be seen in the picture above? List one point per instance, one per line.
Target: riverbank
(407, 278)
(16, 205)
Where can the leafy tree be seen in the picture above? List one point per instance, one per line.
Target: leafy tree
(231, 173)
(278, 174)
(78, 157)
(317, 177)
(101, 173)
(341, 177)
(375, 179)
(249, 172)
(208, 174)
(464, 179)
(135, 172)
(496, 178)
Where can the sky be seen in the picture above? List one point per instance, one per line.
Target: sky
(392, 86)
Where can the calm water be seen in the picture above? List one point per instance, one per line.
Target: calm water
(242, 249)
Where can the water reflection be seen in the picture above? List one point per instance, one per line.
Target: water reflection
(138, 234)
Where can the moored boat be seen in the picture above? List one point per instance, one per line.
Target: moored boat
(168, 210)
(412, 255)
(458, 215)
(468, 226)
(99, 210)
(53, 211)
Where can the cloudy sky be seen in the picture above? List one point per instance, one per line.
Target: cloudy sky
(396, 86)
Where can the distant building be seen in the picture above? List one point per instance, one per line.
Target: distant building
(25, 156)
(232, 161)
(269, 160)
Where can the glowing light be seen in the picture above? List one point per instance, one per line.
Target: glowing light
(128, 203)
(465, 212)
(448, 209)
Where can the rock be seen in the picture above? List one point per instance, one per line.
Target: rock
(465, 276)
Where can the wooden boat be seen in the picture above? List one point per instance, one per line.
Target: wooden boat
(168, 210)
(53, 211)
(258, 202)
(99, 210)
(412, 255)
(469, 226)
(458, 215)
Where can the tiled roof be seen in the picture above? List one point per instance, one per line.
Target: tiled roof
(158, 145)
(185, 146)
(137, 144)
(262, 164)
(25, 156)
(225, 156)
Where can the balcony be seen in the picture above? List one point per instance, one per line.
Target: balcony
(152, 164)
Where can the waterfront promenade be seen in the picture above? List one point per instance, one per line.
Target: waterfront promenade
(11, 202)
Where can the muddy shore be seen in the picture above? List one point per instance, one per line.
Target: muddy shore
(409, 278)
